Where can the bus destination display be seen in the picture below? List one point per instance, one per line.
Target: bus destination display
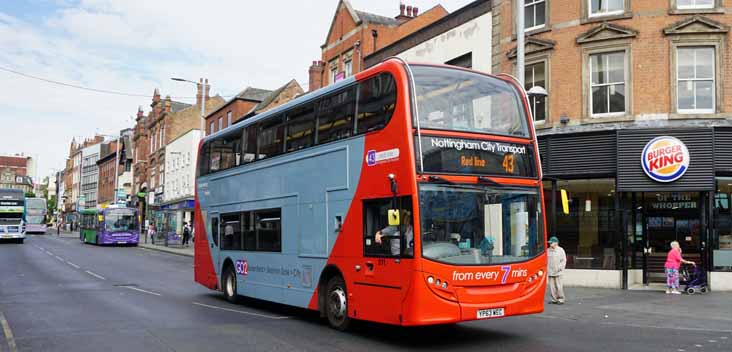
(480, 157)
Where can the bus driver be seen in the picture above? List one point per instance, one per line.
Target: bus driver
(393, 233)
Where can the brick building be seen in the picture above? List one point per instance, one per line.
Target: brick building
(235, 109)
(279, 96)
(166, 121)
(16, 172)
(107, 179)
(355, 34)
(621, 77)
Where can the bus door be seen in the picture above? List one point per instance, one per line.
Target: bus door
(214, 243)
(382, 276)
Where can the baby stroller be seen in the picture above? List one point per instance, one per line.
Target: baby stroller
(695, 279)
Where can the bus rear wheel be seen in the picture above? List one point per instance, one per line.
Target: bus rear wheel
(336, 304)
(229, 285)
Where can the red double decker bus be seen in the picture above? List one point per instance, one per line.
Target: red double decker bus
(409, 194)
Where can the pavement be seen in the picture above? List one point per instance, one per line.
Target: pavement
(57, 294)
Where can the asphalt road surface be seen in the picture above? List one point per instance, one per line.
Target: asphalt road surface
(57, 294)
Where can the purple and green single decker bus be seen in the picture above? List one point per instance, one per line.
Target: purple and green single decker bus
(109, 226)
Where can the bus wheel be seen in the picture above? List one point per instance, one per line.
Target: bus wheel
(336, 304)
(230, 285)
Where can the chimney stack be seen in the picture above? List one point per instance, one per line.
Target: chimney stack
(403, 16)
(139, 112)
(199, 90)
(409, 11)
(415, 11)
(316, 75)
(167, 106)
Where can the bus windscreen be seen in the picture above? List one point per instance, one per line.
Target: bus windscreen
(465, 225)
(458, 100)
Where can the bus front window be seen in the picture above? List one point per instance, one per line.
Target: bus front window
(469, 224)
(120, 220)
(453, 99)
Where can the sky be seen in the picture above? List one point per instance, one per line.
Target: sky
(136, 46)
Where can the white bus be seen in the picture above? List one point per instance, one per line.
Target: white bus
(12, 214)
(35, 215)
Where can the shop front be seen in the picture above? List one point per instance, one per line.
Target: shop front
(630, 193)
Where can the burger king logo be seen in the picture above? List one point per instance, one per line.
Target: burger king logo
(665, 159)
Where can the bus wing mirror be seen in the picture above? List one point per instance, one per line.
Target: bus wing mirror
(394, 217)
(565, 201)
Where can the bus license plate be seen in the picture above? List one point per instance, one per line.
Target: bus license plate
(490, 313)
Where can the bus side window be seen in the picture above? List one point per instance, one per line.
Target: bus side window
(249, 145)
(270, 140)
(300, 127)
(376, 102)
(335, 116)
(215, 230)
(203, 160)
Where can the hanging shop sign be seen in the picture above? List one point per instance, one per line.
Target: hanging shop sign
(665, 159)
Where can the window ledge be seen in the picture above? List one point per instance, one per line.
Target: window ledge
(606, 119)
(716, 10)
(532, 32)
(596, 19)
(697, 115)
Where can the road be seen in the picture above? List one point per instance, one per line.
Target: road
(57, 294)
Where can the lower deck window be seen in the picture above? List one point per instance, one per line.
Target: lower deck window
(258, 230)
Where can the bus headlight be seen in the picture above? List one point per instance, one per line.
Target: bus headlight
(541, 273)
(444, 285)
(430, 280)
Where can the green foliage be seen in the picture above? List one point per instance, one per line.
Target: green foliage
(30, 195)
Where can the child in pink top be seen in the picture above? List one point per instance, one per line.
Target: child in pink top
(673, 263)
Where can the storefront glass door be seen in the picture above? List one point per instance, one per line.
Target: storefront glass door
(667, 217)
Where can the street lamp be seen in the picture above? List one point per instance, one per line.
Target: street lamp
(203, 90)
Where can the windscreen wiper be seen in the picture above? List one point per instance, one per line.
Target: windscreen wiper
(486, 180)
(438, 179)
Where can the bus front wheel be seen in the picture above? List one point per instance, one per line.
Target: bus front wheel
(336, 304)
(230, 285)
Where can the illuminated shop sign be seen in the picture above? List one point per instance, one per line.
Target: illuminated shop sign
(665, 159)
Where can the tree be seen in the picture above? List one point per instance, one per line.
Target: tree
(30, 195)
(51, 205)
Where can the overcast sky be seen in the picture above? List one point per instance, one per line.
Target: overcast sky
(135, 46)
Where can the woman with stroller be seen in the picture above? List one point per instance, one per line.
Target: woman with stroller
(673, 263)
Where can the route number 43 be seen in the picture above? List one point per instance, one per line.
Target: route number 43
(508, 164)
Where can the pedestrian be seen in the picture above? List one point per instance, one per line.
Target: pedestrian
(151, 232)
(557, 261)
(59, 224)
(186, 234)
(673, 263)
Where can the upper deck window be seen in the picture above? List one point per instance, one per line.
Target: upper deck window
(451, 99)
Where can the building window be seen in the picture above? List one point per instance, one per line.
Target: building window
(722, 241)
(348, 68)
(694, 4)
(221, 123)
(228, 118)
(606, 7)
(535, 75)
(695, 75)
(588, 233)
(211, 128)
(333, 65)
(534, 14)
(607, 84)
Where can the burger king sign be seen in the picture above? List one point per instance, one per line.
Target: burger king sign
(665, 159)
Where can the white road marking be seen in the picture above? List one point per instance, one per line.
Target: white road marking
(664, 327)
(141, 290)
(41, 248)
(241, 311)
(72, 264)
(95, 275)
(49, 253)
(9, 338)
(59, 258)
